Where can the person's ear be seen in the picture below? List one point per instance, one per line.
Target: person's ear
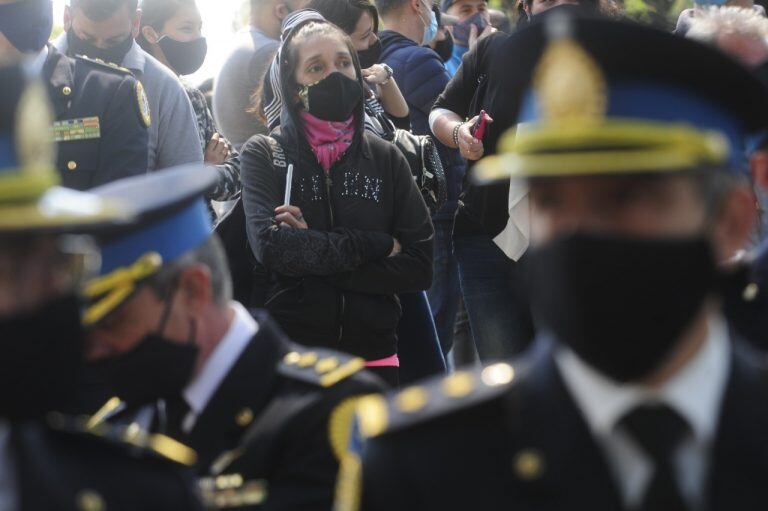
(136, 23)
(416, 6)
(195, 288)
(150, 34)
(67, 18)
(282, 11)
(758, 167)
(735, 222)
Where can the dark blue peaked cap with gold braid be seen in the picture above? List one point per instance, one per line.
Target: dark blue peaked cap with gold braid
(172, 219)
(597, 96)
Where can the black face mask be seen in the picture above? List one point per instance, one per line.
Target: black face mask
(621, 304)
(184, 57)
(371, 55)
(42, 358)
(444, 48)
(334, 98)
(115, 54)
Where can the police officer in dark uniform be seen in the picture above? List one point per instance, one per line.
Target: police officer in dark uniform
(101, 110)
(48, 460)
(267, 418)
(635, 396)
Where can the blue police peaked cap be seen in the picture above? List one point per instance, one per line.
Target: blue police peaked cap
(597, 96)
(172, 219)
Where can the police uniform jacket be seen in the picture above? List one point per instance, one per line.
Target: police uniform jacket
(491, 441)
(274, 430)
(67, 467)
(101, 120)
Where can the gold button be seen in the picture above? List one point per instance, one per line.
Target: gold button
(307, 359)
(528, 464)
(292, 358)
(327, 365)
(750, 292)
(244, 417)
(89, 500)
(458, 384)
(411, 399)
(72, 165)
(497, 374)
(66, 91)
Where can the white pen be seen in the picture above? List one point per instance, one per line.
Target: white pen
(288, 184)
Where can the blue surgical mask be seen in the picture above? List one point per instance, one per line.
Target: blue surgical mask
(27, 24)
(430, 31)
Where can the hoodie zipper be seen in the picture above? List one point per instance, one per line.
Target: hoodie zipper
(342, 302)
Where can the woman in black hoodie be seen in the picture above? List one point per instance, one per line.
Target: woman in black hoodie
(356, 231)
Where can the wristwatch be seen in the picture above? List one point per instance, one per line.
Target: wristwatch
(389, 73)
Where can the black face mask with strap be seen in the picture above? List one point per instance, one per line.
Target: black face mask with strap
(157, 367)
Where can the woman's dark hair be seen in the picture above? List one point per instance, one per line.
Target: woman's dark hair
(156, 13)
(345, 14)
(290, 62)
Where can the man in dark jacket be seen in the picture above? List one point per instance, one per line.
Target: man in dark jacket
(101, 115)
(635, 396)
(187, 361)
(422, 77)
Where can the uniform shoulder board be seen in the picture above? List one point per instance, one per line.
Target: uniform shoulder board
(382, 413)
(103, 65)
(132, 439)
(319, 366)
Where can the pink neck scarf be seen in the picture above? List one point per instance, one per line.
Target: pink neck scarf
(328, 139)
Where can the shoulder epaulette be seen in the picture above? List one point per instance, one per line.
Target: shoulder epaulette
(382, 413)
(134, 440)
(319, 366)
(101, 64)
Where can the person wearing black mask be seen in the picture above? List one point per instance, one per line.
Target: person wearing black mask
(171, 31)
(354, 231)
(51, 460)
(105, 29)
(99, 126)
(634, 395)
(360, 21)
(184, 359)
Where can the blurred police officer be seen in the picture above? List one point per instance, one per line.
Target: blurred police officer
(101, 117)
(48, 461)
(258, 409)
(634, 396)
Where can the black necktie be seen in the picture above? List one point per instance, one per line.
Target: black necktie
(176, 410)
(659, 430)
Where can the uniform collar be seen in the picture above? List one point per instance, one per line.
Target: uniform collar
(241, 330)
(135, 59)
(695, 392)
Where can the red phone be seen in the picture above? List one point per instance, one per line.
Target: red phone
(478, 130)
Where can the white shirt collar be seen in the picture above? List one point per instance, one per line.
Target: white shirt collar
(695, 392)
(37, 62)
(241, 331)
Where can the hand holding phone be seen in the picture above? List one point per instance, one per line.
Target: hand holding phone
(478, 130)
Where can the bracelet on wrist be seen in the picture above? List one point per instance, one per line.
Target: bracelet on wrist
(456, 133)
